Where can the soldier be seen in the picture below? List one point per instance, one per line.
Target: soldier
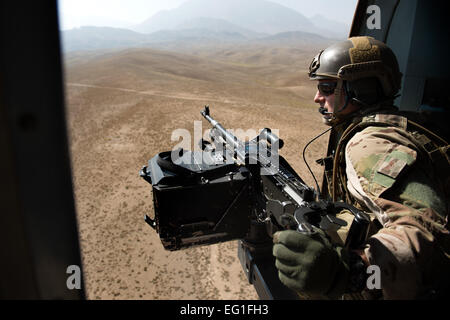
(384, 164)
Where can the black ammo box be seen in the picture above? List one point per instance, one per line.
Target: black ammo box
(197, 203)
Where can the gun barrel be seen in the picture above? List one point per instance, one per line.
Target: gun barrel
(235, 143)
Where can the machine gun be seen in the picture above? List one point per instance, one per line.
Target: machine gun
(231, 190)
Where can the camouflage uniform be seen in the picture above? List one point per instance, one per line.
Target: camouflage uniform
(384, 169)
(388, 166)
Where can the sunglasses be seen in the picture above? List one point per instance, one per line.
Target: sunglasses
(326, 88)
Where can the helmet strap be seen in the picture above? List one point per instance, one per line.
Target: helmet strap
(337, 117)
(341, 84)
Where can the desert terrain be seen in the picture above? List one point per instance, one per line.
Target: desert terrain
(122, 107)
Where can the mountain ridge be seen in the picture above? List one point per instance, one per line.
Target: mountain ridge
(211, 22)
(98, 38)
(256, 15)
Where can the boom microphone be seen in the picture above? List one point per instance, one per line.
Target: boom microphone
(324, 111)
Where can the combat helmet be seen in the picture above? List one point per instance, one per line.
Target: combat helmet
(366, 69)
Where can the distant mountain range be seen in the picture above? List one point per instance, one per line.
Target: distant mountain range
(218, 25)
(330, 28)
(211, 22)
(257, 15)
(95, 38)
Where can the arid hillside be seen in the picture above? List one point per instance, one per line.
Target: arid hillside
(122, 108)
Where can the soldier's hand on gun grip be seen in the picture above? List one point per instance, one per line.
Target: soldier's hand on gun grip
(311, 264)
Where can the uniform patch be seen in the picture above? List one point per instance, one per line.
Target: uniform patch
(392, 167)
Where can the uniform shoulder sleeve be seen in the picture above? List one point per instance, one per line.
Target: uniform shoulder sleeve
(413, 247)
(375, 159)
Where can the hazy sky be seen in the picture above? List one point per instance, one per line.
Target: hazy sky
(124, 13)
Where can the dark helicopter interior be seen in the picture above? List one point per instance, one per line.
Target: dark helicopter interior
(415, 32)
